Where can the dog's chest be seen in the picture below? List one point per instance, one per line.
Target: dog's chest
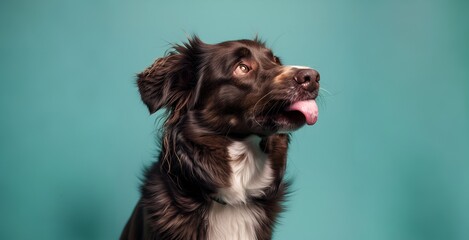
(237, 222)
(251, 175)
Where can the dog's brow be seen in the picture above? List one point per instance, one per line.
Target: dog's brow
(270, 54)
(272, 57)
(244, 52)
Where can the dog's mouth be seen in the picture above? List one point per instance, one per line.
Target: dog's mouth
(292, 115)
(307, 109)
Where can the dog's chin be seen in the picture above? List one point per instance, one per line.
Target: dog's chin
(289, 121)
(282, 122)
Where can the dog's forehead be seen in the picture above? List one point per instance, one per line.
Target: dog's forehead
(254, 46)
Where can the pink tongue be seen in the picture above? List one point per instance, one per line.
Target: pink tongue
(309, 108)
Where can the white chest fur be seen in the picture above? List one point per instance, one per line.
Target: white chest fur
(251, 174)
(233, 222)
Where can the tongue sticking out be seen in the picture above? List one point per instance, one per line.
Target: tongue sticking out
(308, 108)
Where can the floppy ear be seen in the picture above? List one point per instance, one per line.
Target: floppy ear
(170, 81)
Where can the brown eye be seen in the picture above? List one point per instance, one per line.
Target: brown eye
(243, 68)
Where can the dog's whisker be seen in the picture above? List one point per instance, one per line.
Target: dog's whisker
(228, 131)
(255, 120)
(270, 109)
(265, 95)
(327, 92)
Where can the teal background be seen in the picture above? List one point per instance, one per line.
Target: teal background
(388, 159)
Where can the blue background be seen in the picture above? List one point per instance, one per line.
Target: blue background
(388, 159)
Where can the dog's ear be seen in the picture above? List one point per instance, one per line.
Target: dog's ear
(170, 81)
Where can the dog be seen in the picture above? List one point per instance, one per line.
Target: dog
(230, 108)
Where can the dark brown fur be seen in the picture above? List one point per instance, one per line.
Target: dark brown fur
(209, 107)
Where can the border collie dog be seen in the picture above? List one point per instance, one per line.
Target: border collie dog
(229, 110)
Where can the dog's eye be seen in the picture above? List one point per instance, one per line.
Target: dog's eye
(242, 69)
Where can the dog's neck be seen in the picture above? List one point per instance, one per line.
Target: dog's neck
(246, 166)
(204, 136)
(251, 172)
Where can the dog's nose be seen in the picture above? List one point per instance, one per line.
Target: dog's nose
(308, 79)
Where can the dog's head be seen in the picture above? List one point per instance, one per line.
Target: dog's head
(232, 88)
